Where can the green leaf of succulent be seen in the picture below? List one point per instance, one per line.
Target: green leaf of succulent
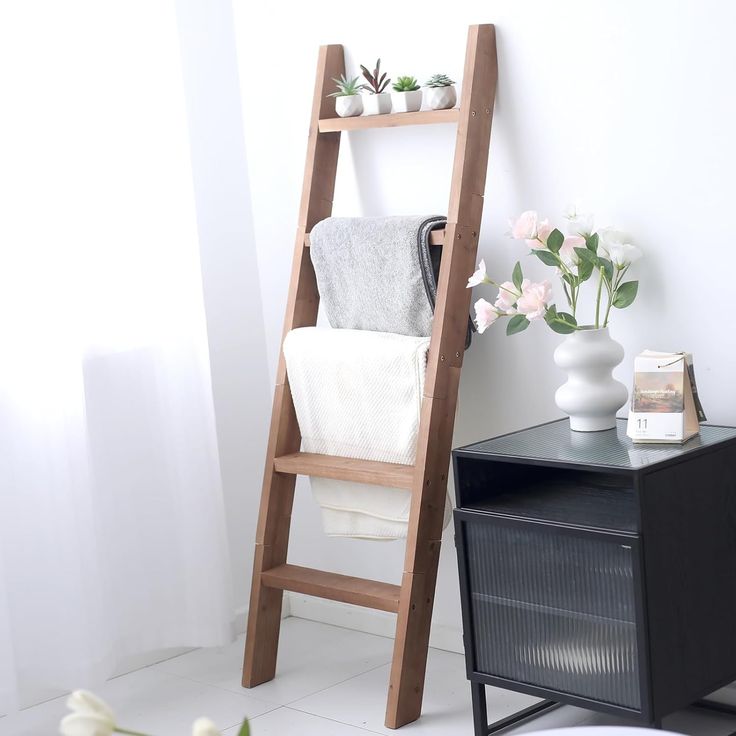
(439, 80)
(555, 241)
(517, 276)
(518, 323)
(625, 294)
(549, 259)
(345, 86)
(405, 84)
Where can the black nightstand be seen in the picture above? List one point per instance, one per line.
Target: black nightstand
(597, 572)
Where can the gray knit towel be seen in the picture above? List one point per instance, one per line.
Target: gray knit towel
(377, 273)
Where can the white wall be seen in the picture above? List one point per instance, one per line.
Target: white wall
(627, 105)
(231, 287)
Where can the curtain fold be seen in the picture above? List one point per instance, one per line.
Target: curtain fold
(112, 535)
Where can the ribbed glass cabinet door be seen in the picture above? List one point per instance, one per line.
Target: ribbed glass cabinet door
(553, 608)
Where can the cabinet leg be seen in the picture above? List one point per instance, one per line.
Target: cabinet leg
(480, 711)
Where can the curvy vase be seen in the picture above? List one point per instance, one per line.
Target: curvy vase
(591, 396)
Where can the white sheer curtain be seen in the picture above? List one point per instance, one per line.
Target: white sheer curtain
(112, 537)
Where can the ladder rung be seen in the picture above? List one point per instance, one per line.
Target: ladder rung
(335, 587)
(392, 120)
(436, 237)
(392, 475)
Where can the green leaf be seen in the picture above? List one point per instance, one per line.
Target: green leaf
(563, 323)
(244, 729)
(586, 256)
(585, 270)
(570, 279)
(549, 259)
(591, 242)
(561, 328)
(607, 267)
(555, 241)
(625, 294)
(518, 323)
(517, 276)
(551, 313)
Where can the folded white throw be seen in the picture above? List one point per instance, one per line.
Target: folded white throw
(358, 394)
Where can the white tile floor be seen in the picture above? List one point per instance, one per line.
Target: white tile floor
(330, 682)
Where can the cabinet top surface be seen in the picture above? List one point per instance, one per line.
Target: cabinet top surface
(554, 443)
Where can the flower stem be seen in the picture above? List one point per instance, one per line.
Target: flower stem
(598, 299)
(130, 733)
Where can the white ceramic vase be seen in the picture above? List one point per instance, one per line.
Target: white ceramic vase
(348, 106)
(377, 104)
(591, 396)
(406, 101)
(440, 98)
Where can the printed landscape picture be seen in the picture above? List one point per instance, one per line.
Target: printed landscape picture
(658, 392)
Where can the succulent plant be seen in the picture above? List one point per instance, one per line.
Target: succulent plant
(439, 80)
(377, 82)
(345, 87)
(405, 84)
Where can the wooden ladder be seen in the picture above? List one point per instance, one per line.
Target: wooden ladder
(427, 479)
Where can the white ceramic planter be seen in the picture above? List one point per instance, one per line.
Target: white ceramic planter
(440, 98)
(406, 101)
(348, 106)
(591, 396)
(377, 104)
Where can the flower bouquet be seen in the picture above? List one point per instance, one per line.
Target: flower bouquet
(577, 257)
(591, 395)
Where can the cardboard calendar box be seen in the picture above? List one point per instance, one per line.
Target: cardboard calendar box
(664, 403)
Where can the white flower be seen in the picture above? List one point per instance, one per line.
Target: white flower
(479, 277)
(525, 226)
(623, 254)
(534, 298)
(578, 223)
(614, 245)
(83, 701)
(485, 315)
(90, 716)
(86, 724)
(507, 296)
(204, 727)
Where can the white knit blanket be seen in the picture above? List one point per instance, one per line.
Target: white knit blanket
(358, 394)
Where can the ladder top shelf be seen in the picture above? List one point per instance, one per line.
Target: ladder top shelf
(390, 120)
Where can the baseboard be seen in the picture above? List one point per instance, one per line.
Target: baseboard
(367, 620)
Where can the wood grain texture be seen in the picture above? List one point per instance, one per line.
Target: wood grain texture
(277, 496)
(392, 475)
(335, 587)
(442, 380)
(391, 120)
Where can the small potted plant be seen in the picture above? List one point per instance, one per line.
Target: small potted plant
(348, 100)
(440, 93)
(377, 101)
(407, 95)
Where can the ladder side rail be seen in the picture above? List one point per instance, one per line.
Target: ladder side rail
(442, 379)
(277, 497)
